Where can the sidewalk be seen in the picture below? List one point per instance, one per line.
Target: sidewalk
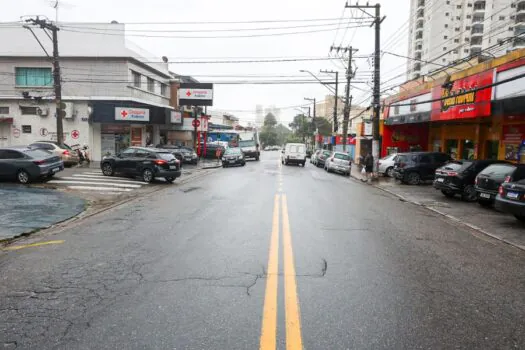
(497, 225)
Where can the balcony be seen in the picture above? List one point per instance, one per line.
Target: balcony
(478, 19)
(521, 8)
(474, 51)
(519, 43)
(417, 67)
(477, 41)
(421, 4)
(520, 20)
(420, 14)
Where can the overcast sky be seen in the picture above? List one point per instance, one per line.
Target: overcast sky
(241, 100)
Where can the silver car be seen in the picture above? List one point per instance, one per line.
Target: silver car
(386, 165)
(338, 162)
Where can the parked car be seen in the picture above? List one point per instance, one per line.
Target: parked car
(173, 150)
(66, 153)
(385, 165)
(233, 156)
(458, 177)
(308, 153)
(294, 153)
(25, 164)
(313, 158)
(148, 163)
(321, 158)
(488, 181)
(339, 162)
(211, 149)
(414, 167)
(511, 194)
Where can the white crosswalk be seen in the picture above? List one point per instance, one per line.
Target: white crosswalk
(95, 182)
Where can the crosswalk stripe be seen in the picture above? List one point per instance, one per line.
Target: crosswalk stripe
(104, 189)
(67, 182)
(95, 177)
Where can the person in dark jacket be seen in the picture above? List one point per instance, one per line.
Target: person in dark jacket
(369, 165)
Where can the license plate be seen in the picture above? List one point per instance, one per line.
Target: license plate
(484, 195)
(173, 167)
(440, 179)
(512, 195)
(55, 170)
(232, 161)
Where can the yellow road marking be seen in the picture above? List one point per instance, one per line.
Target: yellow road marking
(17, 247)
(292, 314)
(269, 321)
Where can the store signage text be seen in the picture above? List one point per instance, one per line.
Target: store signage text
(462, 98)
(132, 114)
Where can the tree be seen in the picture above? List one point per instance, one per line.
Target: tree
(302, 127)
(270, 120)
(324, 126)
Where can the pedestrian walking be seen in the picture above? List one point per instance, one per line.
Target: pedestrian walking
(369, 166)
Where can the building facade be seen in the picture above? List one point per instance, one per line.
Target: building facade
(444, 31)
(477, 113)
(114, 97)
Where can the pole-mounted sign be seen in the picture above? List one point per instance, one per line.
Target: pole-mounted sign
(196, 94)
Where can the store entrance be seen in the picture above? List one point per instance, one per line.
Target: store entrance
(114, 139)
(491, 149)
(451, 148)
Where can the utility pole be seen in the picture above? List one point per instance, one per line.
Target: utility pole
(313, 119)
(376, 103)
(348, 98)
(45, 25)
(336, 127)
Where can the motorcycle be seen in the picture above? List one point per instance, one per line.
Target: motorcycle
(82, 152)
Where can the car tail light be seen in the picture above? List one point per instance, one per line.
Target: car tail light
(66, 153)
(161, 162)
(476, 181)
(507, 179)
(39, 162)
(500, 190)
(452, 173)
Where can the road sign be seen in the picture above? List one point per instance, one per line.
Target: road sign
(16, 133)
(75, 134)
(132, 114)
(195, 123)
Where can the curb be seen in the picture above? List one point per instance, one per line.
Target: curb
(77, 219)
(448, 216)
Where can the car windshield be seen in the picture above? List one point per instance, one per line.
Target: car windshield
(37, 153)
(498, 170)
(457, 165)
(233, 151)
(247, 143)
(166, 156)
(342, 156)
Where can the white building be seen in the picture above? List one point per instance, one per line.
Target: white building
(444, 31)
(114, 96)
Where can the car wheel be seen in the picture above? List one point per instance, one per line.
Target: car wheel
(448, 193)
(170, 179)
(147, 175)
(469, 193)
(485, 204)
(243, 163)
(413, 178)
(256, 158)
(390, 172)
(107, 169)
(23, 177)
(520, 217)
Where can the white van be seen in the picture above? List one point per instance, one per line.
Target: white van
(294, 153)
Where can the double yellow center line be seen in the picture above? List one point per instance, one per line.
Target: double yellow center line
(292, 314)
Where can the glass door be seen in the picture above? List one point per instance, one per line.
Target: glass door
(491, 149)
(451, 148)
(467, 149)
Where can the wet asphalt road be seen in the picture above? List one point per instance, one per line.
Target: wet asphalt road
(264, 254)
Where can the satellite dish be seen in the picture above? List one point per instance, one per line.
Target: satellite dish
(114, 22)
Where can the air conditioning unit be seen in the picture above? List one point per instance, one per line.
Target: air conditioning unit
(70, 111)
(42, 111)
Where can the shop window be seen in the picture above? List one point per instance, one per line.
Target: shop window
(40, 77)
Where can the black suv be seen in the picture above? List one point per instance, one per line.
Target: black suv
(414, 167)
(511, 194)
(458, 177)
(148, 163)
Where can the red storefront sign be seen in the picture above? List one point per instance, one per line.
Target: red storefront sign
(349, 141)
(513, 134)
(461, 100)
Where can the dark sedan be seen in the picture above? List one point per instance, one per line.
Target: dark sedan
(148, 163)
(458, 177)
(489, 180)
(27, 164)
(322, 157)
(511, 194)
(232, 157)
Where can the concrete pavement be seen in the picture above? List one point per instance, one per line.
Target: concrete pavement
(264, 255)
